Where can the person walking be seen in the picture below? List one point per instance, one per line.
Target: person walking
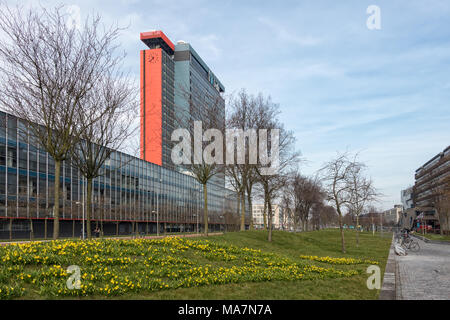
(97, 232)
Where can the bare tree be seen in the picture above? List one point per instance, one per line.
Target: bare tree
(247, 114)
(360, 190)
(316, 215)
(210, 109)
(335, 174)
(272, 184)
(328, 216)
(237, 181)
(441, 202)
(116, 101)
(286, 204)
(307, 193)
(47, 69)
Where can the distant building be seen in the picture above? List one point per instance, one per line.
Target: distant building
(429, 178)
(279, 220)
(393, 215)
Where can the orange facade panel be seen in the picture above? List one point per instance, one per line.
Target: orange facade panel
(151, 105)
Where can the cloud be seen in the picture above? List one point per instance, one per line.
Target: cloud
(207, 46)
(288, 36)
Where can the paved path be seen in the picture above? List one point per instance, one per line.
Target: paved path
(424, 275)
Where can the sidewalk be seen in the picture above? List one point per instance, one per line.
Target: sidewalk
(417, 236)
(388, 289)
(424, 275)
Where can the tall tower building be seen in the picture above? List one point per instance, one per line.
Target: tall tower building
(157, 98)
(174, 84)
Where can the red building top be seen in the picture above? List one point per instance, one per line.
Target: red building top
(154, 38)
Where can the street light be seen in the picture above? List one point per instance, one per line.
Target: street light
(157, 209)
(222, 217)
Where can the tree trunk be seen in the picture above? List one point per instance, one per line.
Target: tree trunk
(205, 208)
(357, 230)
(249, 199)
(56, 203)
(31, 230)
(88, 207)
(373, 228)
(269, 214)
(101, 220)
(10, 228)
(45, 228)
(243, 211)
(294, 218)
(342, 229)
(238, 209)
(264, 213)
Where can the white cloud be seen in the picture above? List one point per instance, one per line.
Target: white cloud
(289, 36)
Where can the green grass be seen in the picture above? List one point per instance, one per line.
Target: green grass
(261, 277)
(433, 236)
(319, 243)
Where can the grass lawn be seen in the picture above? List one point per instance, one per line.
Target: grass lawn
(433, 236)
(236, 265)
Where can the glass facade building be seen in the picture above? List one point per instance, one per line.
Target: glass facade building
(144, 194)
(130, 191)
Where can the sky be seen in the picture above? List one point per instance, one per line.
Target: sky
(341, 86)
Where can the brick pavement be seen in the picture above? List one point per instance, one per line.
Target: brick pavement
(424, 275)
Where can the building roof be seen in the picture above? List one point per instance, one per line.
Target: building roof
(434, 158)
(152, 38)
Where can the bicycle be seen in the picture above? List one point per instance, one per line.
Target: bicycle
(410, 244)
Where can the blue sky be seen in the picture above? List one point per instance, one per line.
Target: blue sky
(384, 93)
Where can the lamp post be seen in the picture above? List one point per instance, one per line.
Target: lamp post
(221, 217)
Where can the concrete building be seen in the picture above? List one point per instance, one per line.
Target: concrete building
(280, 219)
(175, 82)
(428, 178)
(392, 216)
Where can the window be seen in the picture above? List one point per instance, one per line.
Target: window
(12, 157)
(23, 158)
(2, 154)
(12, 183)
(2, 125)
(12, 128)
